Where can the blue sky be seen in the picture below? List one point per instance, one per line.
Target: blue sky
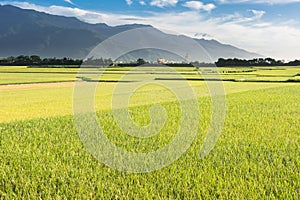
(268, 27)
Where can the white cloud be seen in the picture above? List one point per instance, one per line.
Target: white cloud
(129, 2)
(143, 3)
(209, 7)
(69, 1)
(163, 3)
(260, 1)
(258, 14)
(280, 40)
(239, 18)
(198, 5)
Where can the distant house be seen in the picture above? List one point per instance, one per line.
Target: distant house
(161, 61)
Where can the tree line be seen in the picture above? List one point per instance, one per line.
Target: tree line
(38, 61)
(254, 62)
(35, 60)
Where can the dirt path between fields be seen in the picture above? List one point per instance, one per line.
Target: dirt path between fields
(35, 86)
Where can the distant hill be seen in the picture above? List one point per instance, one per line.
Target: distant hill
(28, 32)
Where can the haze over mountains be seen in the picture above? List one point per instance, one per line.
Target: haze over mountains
(28, 32)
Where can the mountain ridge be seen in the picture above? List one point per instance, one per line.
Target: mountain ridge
(29, 32)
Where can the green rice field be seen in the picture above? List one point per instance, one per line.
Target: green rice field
(256, 157)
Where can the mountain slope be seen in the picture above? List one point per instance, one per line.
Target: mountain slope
(219, 50)
(30, 32)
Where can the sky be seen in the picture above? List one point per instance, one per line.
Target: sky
(268, 27)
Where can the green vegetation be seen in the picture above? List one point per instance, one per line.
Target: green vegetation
(255, 62)
(17, 78)
(257, 156)
(36, 60)
(19, 74)
(46, 100)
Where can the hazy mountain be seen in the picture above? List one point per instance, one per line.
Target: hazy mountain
(28, 32)
(182, 48)
(219, 50)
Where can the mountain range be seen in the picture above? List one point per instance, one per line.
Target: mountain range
(29, 32)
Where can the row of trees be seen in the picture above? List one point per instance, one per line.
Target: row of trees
(254, 62)
(36, 60)
(98, 61)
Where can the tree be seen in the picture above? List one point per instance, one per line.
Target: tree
(140, 61)
(35, 59)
